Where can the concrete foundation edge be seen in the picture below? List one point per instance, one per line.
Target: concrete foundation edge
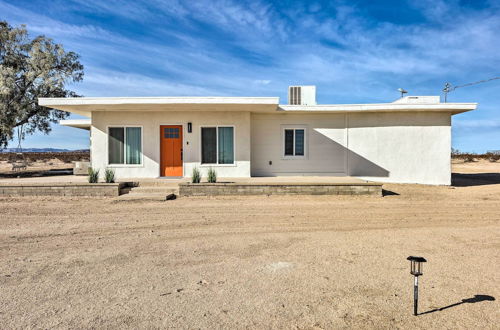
(186, 190)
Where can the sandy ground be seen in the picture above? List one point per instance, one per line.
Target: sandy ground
(256, 262)
(52, 164)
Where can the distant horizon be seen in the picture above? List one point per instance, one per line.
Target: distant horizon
(358, 52)
(49, 149)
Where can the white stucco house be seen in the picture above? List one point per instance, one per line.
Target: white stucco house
(405, 141)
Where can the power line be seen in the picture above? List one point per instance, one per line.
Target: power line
(448, 87)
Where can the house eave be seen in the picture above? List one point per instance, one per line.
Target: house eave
(76, 123)
(85, 105)
(453, 108)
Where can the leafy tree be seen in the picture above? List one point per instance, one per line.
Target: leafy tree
(29, 69)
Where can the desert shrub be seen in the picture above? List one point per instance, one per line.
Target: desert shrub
(455, 153)
(468, 158)
(93, 175)
(196, 176)
(66, 157)
(493, 157)
(211, 175)
(109, 175)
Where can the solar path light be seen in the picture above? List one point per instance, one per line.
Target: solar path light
(415, 270)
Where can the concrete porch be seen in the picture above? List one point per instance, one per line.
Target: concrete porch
(159, 188)
(301, 185)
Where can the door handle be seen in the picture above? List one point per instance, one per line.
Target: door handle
(182, 154)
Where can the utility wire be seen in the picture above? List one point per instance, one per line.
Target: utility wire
(474, 83)
(448, 87)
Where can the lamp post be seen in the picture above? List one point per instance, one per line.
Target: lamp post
(416, 271)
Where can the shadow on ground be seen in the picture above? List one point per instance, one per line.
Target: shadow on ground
(386, 192)
(477, 298)
(474, 179)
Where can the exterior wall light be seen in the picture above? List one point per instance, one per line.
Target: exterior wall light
(416, 270)
(190, 127)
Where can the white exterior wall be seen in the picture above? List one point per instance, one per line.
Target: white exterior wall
(409, 147)
(412, 147)
(151, 121)
(325, 144)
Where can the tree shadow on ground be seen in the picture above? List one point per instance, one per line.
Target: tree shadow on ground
(477, 298)
(474, 179)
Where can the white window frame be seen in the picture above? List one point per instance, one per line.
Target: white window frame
(217, 146)
(294, 128)
(124, 149)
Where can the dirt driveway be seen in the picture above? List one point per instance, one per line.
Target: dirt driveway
(254, 262)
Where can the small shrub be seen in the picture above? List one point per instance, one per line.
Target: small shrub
(468, 159)
(196, 176)
(494, 158)
(93, 175)
(109, 175)
(455, 153)
(211, 176)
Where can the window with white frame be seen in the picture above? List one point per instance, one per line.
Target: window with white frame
(217, 145)
(124, 145)
(294, 142)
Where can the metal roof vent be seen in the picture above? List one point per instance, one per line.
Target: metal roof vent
(302, 95)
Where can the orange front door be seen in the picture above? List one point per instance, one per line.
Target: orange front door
(171, 150)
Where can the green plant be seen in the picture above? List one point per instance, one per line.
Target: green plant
(211, 175)
(109, 175)
(196, 176)
(93, 175)
(32, 67)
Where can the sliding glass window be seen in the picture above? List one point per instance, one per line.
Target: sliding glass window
(125, 145)
(217, 145)
(294, 142)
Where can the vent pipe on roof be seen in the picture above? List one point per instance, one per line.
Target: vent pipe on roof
(302, 95)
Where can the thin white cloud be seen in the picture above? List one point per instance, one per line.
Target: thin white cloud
(476, 124)
(262, 81)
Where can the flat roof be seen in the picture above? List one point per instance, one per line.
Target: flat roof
(77, 123)
(85, 105)
(454, 108)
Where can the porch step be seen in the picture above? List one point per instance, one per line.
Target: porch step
(155, 182)
(151, 197)
(151, 191)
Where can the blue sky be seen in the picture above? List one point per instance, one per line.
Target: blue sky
(353, 51)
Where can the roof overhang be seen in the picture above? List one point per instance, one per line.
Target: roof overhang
(85, 105)
(76, 123)
(452, 108)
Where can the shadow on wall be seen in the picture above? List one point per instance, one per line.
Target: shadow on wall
(357, 164)
(360, 166)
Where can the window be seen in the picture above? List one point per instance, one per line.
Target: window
(217, 145)
(171, 132)
(125, 145)
(294, 142)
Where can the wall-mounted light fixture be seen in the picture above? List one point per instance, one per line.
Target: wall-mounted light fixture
(190, 127)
